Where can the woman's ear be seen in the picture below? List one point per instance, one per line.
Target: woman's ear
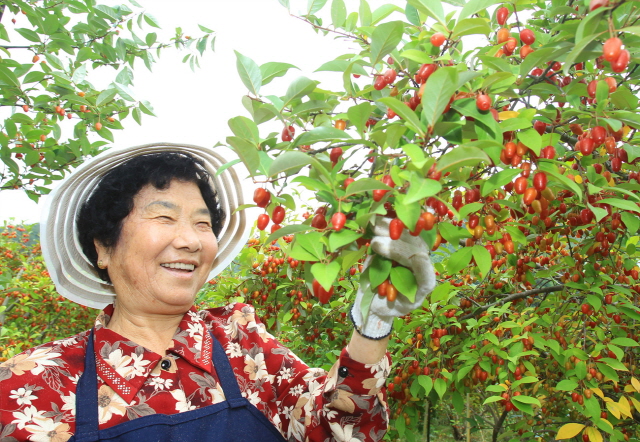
(103, 254)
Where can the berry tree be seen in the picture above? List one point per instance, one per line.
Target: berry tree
(46, 74)
(514, 160)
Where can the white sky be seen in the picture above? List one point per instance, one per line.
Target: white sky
(194, 107)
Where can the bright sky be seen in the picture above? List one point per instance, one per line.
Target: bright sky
(194, 107)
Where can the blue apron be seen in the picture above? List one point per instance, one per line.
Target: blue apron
(236, 419)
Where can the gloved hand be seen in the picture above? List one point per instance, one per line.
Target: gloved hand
(408, 251)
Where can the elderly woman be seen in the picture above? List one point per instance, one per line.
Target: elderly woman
(138, 232)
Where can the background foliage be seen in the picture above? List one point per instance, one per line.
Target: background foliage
(66, 82)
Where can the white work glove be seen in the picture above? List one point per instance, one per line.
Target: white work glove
(408, 251)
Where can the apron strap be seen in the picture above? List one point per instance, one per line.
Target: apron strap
(227, 379)
(87, 397)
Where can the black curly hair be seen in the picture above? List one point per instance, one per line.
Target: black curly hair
(101, 216)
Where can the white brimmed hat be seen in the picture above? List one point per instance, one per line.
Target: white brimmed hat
(74, 275)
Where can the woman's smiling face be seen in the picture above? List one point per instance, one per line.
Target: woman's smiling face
(165, 251)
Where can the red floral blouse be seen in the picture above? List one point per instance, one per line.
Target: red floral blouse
(37, 387)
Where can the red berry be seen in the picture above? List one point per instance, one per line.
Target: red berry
(380, 83)
(278, 214)
(595, 4)
(611, 49)
(288, 132)
(337, 221)
(622, 62)
(598, 134)
(319, 221)
(390, 76)
(261, 197)
(502, 15)
(437, 39)
(263, 220)
(395, 228)
(540, 126)
(335, 154)
(540, 181)
(322, 294)
(483, 102)
(425, 72)
(586, 146)
(527, 36)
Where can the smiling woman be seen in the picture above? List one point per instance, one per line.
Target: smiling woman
(138, 232)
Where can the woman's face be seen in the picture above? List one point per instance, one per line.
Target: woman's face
(165, 251)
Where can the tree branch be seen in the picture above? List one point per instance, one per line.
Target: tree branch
(498, 426)
(555, 288)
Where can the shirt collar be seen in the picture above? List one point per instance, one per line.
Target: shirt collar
(125, 365)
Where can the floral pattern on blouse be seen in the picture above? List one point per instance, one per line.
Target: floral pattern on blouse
(37, 387)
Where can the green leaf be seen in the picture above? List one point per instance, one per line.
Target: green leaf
(440, 86)
(404, 280)
(151, 21)
(492, 399)
(421, 188)
(499, 180)
(440, 386)
(608, 371)
(461, 156)
(326, 274)
(379, 270)
(566, 385)
(322, 133)
(342, 66)
(621, 204)
(384, 39)
(29, 34)
(412, 15)
(290, 160)
(433, 8)
(247, 152)
(299, 88)
(365, 185)
(8, 77)
(365, 13)
(624, 342)
(459, 260)
(314, 6)
(498, 81)
(426, 382)
(482, 258)
(408, 213)
(383, 12)
(469, 208)
(471, 26)
(245, 128)
(623, 98)
(416, 55)
(554, 175)
(249, 72)
(576, 53)
(342, 238)
(359, 114)
(312, 243)
(271, 70)
(532, 139)
(475, 6)
(288, 230)
(632, 222)
(338, 13)
(405, 112)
